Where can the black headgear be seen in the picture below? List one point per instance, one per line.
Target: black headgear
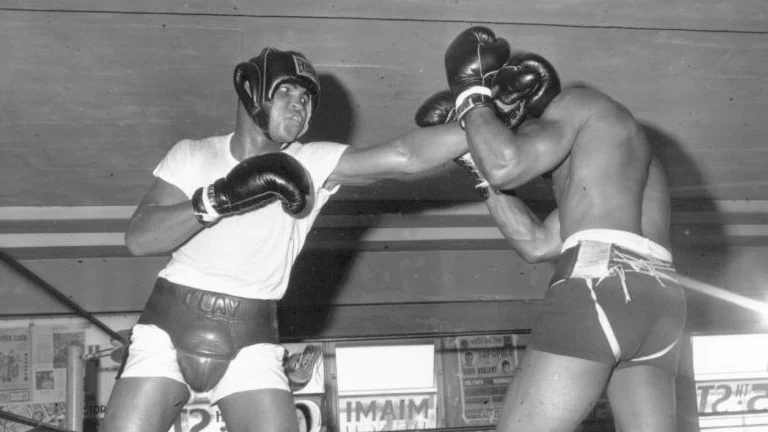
(265, 73)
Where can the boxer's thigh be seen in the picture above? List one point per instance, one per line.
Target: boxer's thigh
(148, 404)
(265, 410)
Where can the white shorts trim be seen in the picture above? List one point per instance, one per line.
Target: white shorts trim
(625, 239)
(256, 367)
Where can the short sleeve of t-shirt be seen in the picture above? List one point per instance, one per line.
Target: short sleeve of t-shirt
(177, 166)
(320, 159)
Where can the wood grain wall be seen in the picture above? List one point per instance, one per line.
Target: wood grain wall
(94, 92)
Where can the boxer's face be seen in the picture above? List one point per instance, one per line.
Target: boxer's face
(289, 112)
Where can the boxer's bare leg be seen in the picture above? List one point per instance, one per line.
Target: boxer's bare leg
(552, 392)
(643, 399)
(268, 410)
(144, 405)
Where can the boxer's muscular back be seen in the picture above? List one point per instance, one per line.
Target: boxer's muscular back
(605, 181)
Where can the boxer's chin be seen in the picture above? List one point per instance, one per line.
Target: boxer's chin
(287, 132)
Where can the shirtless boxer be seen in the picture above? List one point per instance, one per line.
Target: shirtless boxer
(613, 314)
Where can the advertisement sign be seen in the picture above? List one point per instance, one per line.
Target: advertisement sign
(738, 396)
(16, 377)
(486, 368)
(33, 369)
(387, 412)
(200, 416)
(731, 373)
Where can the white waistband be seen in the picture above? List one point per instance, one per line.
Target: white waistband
(625, 239)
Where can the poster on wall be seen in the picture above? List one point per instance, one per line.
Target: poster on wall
(15, 365)
(50, 345)
(387, 412)
(33, 370)
(486, 367)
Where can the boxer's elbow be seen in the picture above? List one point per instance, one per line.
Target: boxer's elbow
(140, 242)
(404, 161)
(504, 173)
(136, 245)
(501, 168)
(535, 252)
(534, 256)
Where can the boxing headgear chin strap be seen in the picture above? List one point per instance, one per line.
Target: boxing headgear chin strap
(265, 73)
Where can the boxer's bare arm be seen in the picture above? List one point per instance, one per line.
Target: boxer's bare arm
(533, 239)
(414, 152)
(162, 221)
(510, 159)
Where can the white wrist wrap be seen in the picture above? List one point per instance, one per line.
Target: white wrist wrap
(472, 91)
(211, 213)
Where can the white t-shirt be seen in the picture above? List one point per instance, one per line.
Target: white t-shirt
(250, 254)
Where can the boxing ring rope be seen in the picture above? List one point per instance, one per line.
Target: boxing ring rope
(29, 274)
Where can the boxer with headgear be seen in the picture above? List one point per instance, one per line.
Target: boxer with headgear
(234, 212)
(613, 314)
(257, 80)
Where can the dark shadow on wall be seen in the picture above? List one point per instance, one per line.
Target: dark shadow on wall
(318, 272)
(334, 118)
(700, 251)
(699, 241)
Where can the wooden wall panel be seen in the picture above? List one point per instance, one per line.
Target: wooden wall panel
(372, 321)
(320, 278)
(745, 15)
(92, 101)
(391, 285)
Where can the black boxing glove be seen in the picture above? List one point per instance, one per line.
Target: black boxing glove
(439, 109)
(470, 62)
(524, 87)
(436, 110)
(252, 184)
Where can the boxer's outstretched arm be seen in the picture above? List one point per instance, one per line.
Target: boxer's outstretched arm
(535, 241)
(414, 152)
(162, 221)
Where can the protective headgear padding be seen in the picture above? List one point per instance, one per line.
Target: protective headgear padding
(265, 73)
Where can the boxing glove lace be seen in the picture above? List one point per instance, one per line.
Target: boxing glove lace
(470, 62)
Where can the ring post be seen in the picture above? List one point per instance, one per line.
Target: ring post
(75, 388)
